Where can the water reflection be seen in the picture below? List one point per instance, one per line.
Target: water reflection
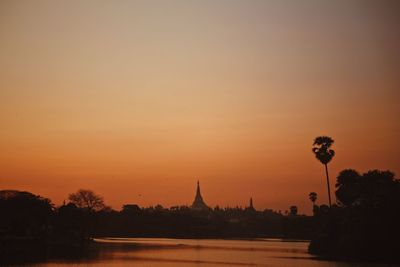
(160, 252)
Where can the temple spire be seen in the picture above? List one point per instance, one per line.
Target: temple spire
(251, 207)
(198, 203)
(198, 193)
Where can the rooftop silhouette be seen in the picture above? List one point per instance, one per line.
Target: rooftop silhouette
(198, 203)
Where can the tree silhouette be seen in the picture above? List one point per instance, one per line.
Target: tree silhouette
(372, 189)
(322, 151)
(348, 187)
(313, 197)
(23, 214)
(87, 199)
(365, 225)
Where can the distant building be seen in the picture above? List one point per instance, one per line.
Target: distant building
(251, 207)
(198, 203)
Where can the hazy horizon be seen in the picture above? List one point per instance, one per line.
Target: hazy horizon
(137, 100)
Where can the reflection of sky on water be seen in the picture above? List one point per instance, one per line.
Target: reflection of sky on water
(162, 252)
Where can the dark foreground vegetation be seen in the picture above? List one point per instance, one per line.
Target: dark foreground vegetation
(365, 225)
(33, 229)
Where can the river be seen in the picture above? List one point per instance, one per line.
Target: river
(163, 252)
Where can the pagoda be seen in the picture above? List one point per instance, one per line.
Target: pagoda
(251, 207)
(198, 203)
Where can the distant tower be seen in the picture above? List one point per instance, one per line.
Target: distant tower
(198, 203)
(251, 207)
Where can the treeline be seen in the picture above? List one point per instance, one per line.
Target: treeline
(183, 222)
(365, 223)
(33, 229)
(86, 216)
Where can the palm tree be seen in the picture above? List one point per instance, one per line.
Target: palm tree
(313, 197)
(324, 154)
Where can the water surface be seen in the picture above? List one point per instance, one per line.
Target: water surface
(162, 252)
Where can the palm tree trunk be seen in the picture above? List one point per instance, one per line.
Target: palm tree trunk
(327, 181)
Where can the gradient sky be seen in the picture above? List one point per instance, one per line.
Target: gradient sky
(136, 100)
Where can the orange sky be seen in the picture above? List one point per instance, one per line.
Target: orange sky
(136, 100)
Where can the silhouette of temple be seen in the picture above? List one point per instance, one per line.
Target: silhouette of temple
(198, 203)
(251, 207)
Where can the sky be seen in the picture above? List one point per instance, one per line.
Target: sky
(137, 100)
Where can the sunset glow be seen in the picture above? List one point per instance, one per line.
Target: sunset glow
(137, 100)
